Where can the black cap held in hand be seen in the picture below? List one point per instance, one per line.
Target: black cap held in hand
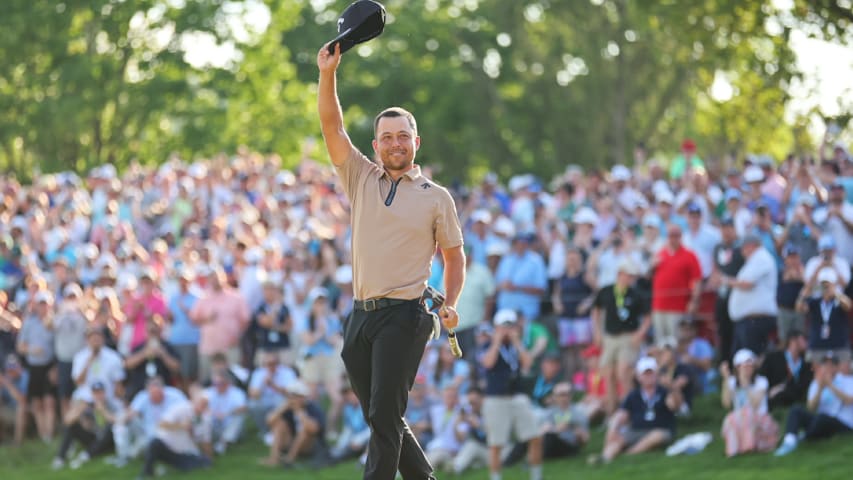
(360, 22)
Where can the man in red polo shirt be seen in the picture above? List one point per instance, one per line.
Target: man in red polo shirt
(676, 286)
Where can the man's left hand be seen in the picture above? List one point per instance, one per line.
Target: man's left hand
(449, 317)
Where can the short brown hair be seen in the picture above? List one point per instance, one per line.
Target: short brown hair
(394, 112)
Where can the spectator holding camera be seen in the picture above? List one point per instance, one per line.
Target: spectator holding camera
(829, 329)
(89, 424)
(153, 358)
(69, 327)
(298, 427)
(506, 409)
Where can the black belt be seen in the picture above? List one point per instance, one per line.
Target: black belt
(372, 304)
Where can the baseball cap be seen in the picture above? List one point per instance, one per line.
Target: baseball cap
(591, 351)
(585, 215)
(753, 174)
(645, 364)
(790, 250)
(665, 196)
(751, 239)
(98, 386)
(298, 388)
(628, 267)
(827, 275)
(72, 289)
(562, 388)
(826, 243)
(43, 296)
(688, 145)
(742, 356)
(481, 216)
(727, 221)
(694, 208)
(620, 173)
(497, 249)
(363, 20)
(732, 194)
(505, 316)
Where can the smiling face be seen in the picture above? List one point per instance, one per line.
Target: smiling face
(396, 143)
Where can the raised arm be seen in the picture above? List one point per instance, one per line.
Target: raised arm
(338, 143)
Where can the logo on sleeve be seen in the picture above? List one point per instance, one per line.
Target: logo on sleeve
(425, 185)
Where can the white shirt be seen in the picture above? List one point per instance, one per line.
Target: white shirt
(829, 403)
(151, 413)
(283, 377)
(702, 243)
(761, 271)
(740, 396)
(107, 368)
(444, 426)
(224, 404)
(179, 441)
(840, 264)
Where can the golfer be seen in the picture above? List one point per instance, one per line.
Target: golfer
(398, 217)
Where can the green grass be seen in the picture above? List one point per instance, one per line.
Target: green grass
(826, 460)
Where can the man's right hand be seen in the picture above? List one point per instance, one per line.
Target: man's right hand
(327, 62)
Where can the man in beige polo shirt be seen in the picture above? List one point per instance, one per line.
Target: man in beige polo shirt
(398, 218)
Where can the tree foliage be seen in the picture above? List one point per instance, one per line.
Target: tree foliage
(528, 85)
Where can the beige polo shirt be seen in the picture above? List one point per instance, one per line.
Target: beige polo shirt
(393, 245)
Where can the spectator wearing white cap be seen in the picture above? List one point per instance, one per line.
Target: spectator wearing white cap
(184, 335)
(827, 258)
(826, 316)
(836, 220)
(584, 221)
(36, 345)
(298, 427)
(620, 323)
(752, 303)
(626, 196)
(646, 418)
(505, 408)
(748, 427)
(69, 326)
(477, 235)
(754, 178)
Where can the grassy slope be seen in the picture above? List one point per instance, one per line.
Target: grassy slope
(824, 460)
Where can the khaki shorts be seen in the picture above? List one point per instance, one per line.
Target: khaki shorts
(665, 326)
(504, 415)
(842, 354)
(618, 350)
(325, 369)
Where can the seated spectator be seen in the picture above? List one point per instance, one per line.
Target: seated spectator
(352, 440)
(134, 430)
(89, 424)
(227, 405)
(417, 411)
(697, 355)
(35, 344)
(237, 375)
(470, 428)
(444, 418)
(566, 425)
(13, 398)
(788, 372)
(828, 412)
(674, 374)
(541, 386)
(176, 439)
(268, 387)
(591, 384)
(298, 427)
(96, 364)
(646, 418)
(829, 328)
(152, 358)
(506, 409)
(748, 427)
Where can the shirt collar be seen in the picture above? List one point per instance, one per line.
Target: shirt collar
(413, 173)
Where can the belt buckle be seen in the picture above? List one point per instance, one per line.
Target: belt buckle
(370, 305)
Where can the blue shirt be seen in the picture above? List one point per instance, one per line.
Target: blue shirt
(324, 345)
(354, 418)
(526, 270)
(150, 412)
(6, 397)
(183, 331)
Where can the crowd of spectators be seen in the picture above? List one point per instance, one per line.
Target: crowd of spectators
(166, 314)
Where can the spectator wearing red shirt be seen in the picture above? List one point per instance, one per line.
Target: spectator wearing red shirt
(676, 286)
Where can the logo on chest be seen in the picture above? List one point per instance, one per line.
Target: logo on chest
(425, 185)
